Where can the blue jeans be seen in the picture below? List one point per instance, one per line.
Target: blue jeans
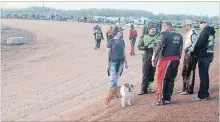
(114, 73)
(204, 63)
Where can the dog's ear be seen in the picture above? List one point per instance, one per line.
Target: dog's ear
(126, 85)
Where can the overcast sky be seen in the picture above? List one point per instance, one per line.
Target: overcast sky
(191, 8)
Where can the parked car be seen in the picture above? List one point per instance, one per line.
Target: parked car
(216, 26)
(178, 25)
(196, 25)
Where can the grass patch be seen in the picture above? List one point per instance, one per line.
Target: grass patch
(180, 30)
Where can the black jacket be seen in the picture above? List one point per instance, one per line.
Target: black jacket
(205, 42)
(170, 43)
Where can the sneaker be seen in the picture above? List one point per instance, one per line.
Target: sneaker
(195, 99)
(155, 103)
(184, 93)
(166, 102)
(181, 91)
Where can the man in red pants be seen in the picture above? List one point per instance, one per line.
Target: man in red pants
(168, 52)
(132, 38)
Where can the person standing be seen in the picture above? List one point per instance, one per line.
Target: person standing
(132, 38)
(189, 63)
(109, 33)
(159, 25)
(116, 59)
(204, 51)
(99, 37)
(147, 44)
(166, 55)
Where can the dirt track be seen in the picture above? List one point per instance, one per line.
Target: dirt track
(61, 77)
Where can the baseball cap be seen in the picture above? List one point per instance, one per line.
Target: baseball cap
(204, 21)
(188, 22)
(151, 25)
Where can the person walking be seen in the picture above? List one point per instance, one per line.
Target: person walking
(99, 37)
(132, 38)
(116, 60)
(147, 44)
(204, 51)
(189, 63)
(94, 31)
(166, 59)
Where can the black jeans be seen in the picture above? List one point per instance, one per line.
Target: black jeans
(98, 42)
(188, 73)
(148, 70)
(203, 64)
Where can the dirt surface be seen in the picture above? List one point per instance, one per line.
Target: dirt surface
(59, 76)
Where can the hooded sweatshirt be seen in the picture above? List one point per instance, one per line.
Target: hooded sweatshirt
(205, 42)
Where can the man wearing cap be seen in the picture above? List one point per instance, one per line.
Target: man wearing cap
(147, 43)
(132, 38)
(189, 63)
(109, 33)
(166, 59)
(204, 51)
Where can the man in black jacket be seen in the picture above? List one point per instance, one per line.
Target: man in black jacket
(168, 53)
(204, 51)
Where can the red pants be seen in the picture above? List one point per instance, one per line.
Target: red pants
(166, 73)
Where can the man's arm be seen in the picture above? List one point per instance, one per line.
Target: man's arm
(194, 39)
(136, 34)
(109, 45)
(141, 44)
(159, 48)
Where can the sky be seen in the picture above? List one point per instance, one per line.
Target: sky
(188, 8)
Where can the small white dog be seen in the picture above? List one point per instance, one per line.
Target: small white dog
(126, 94)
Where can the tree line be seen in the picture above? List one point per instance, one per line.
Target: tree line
(110, 13)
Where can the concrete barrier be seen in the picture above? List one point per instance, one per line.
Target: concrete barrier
(15, 40)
